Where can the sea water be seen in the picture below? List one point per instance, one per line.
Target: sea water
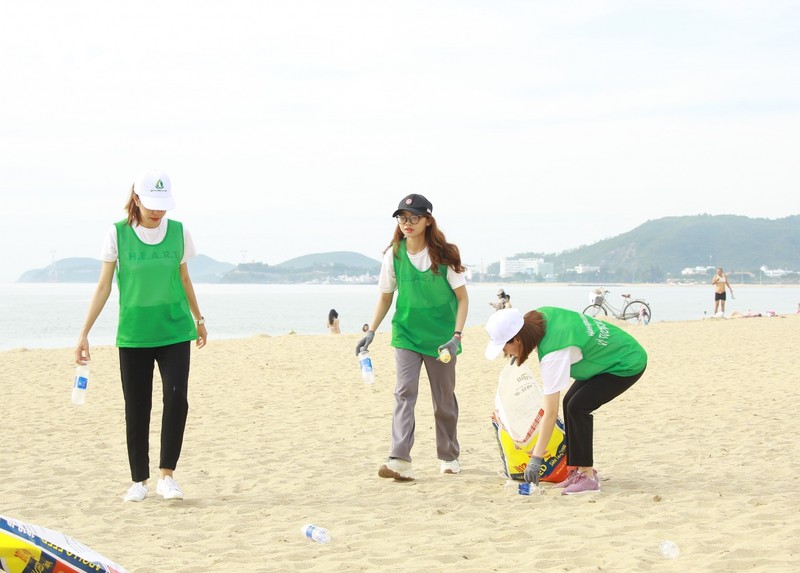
(50, 315)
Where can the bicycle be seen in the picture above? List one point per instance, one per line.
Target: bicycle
(632, 309)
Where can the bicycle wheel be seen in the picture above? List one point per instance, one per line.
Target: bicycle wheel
(595, 310)
(637, 311)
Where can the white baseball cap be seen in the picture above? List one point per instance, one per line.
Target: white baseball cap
(502, 326)
(154, 191)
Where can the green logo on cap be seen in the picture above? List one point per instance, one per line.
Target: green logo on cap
(159, 185)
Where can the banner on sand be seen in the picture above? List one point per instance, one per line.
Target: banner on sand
(518, 411)
(27, 548)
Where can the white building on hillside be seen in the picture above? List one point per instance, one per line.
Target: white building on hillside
(702, 271)
(536, 267)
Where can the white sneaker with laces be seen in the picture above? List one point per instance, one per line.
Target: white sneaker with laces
(168, 488)
(397, 469)
(137, 492)
(451, 467)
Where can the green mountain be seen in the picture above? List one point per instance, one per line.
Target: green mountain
(342, 267)
(660, 249)
(335, 267)
(74, 270)
(655, 251)
(203, 269)
(348, 259)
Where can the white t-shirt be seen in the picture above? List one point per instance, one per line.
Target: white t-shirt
(387, 280)
(109, 252)
(555, 368)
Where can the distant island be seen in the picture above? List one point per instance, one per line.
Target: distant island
(671, 249)
(340, 267)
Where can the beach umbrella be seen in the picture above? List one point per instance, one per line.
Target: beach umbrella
(25, 547)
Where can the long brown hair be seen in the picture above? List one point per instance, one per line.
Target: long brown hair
(134, 214)
(440, 251)
(530, 335)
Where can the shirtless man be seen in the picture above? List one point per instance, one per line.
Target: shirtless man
(720, 281)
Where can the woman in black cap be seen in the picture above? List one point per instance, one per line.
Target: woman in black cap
(429, 317)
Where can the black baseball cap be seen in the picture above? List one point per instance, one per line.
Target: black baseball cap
(416, 204)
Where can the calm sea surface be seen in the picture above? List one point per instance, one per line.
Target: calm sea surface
(50, 315)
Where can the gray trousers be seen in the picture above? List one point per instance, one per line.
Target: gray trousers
(442, 378)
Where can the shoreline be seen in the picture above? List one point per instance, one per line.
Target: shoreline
(385, 329)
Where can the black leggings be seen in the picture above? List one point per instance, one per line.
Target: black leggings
(583, 398)
(136, 366)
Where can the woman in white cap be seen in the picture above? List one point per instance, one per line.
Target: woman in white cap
(430, 313)
(158, 318)
(603, 359)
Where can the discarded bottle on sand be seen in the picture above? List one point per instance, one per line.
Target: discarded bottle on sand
(314, 533)
(669, 549)
(80, 384)
(365, 363)
(523, 488)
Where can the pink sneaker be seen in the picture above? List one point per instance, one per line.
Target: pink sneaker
(582, 484)
(572, 476)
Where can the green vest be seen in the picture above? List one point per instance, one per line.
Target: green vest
(606, 349)
(153, 310)
(425, 312)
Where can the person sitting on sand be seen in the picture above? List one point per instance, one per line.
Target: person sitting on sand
(748, 314)
(503, 301)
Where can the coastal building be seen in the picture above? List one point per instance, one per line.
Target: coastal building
(536, 267)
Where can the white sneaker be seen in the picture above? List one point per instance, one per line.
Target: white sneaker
(168, 488)
(451, 467)
(137, 492)
(397, 469)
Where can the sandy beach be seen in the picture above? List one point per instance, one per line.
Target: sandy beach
(281, 432)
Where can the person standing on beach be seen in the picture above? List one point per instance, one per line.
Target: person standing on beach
(604, 361)
(720, 281)
(158, 318)
(333, 322)
(430, 314)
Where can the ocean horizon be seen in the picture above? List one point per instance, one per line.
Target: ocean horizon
(50, 315)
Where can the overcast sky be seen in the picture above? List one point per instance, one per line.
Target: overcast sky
(296, 127)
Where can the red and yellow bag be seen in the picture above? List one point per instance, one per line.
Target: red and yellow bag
(518, 411)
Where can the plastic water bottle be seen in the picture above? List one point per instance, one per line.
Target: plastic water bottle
(365, 362)
(530, 489)
(444, 356)
(314, 533)
(669, 549)
(81, 382)
(522, 488)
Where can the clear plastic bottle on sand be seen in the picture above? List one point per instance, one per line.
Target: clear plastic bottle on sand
(669, 549)
(530, 489)
(523, 488)
(314, 533)
(365, 363)
(80, 384)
